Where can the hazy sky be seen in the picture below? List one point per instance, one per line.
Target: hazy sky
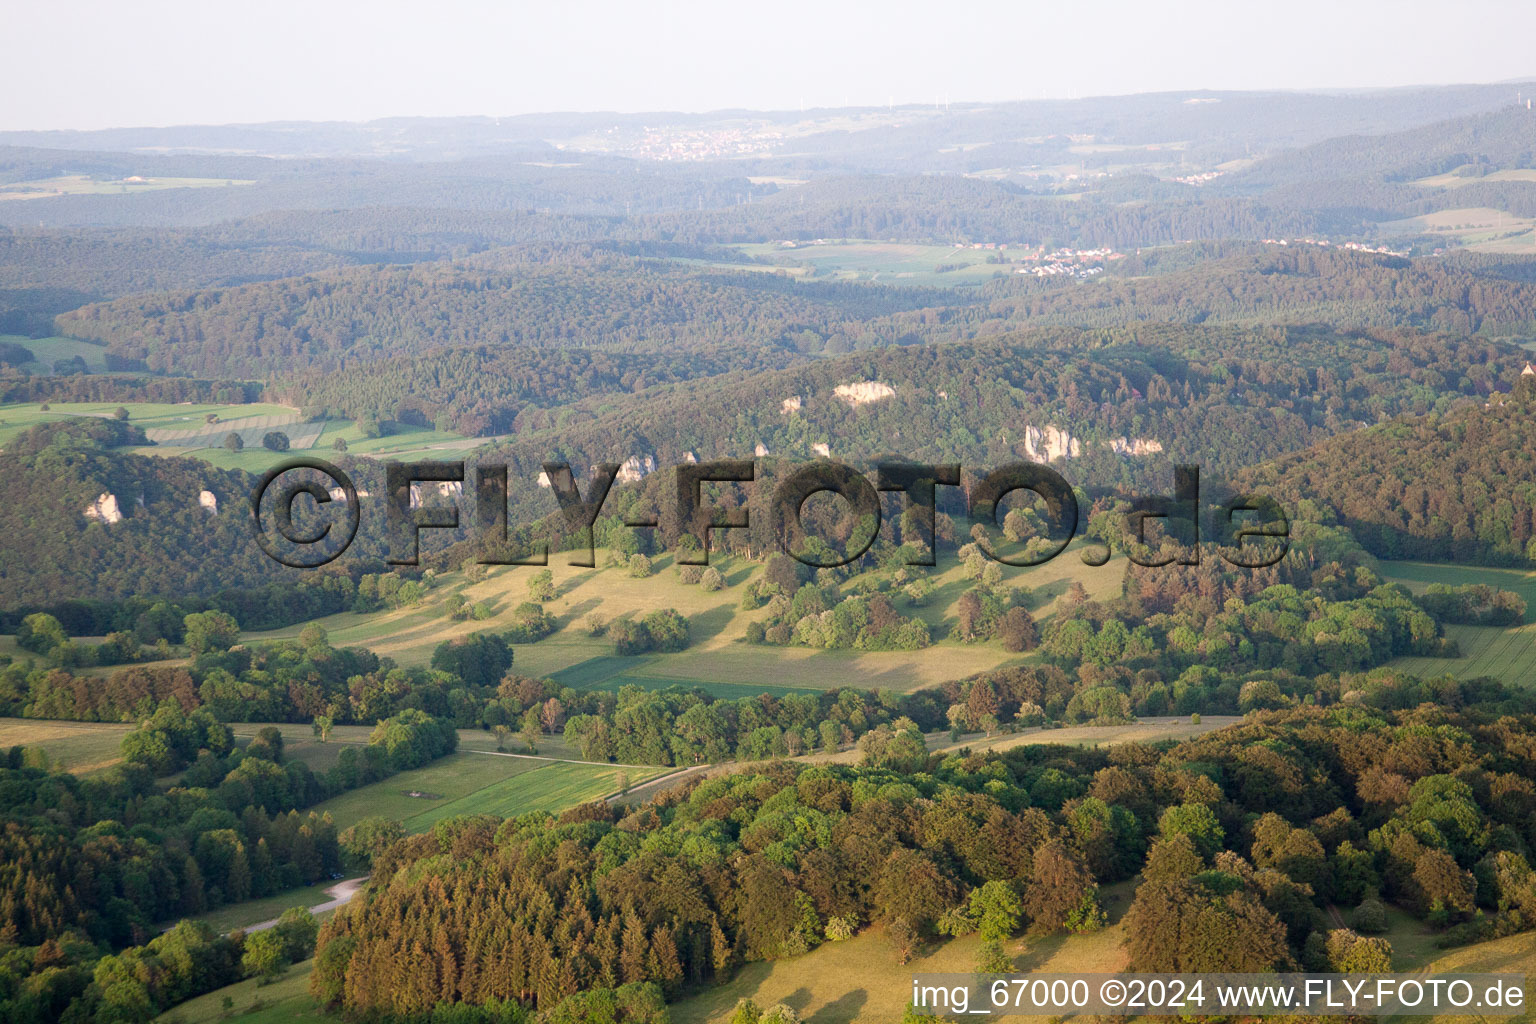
(112, 63)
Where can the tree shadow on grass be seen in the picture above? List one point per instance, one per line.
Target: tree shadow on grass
(1038, 953)
(574, 581)
(708, 625)
(841, 1010)
(736, 571)
(577, 611)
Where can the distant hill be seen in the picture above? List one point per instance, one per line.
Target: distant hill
(1501, 139)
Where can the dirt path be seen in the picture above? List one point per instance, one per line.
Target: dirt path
(645, 790)
(341, 894)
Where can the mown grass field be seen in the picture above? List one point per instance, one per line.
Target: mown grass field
(471, 782)
(1146, 730)
(719, 658)
(443, 781)
(546, 786)
(78, 747)
(890, 262)
(1479, 226)
(85, 185)
(1506, 654)
(1452, 180)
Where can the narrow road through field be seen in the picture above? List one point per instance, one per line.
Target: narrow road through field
(561, 760)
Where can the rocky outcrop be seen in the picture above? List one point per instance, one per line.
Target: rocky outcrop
(790, 404)
(1049, 443)
(636, 468)
(1135, 446)
(863, 392)
(424, 490)
(209, 501)
(824, 450)
(104, 509)
(760, 450)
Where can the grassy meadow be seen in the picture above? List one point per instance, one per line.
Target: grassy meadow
(86, 185)
(404, 443)
(285, 1001)
(78, 747)
(167, 423)
(1478, 227)
(17, 417)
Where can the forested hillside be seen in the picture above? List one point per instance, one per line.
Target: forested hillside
(84, 521)
(575, 298)
(1219, 396)
(1460, 485)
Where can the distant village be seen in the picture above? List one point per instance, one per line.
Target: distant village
(1199, 179)
(1064, 262)
(1323, 243)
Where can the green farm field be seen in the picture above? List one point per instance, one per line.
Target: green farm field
(405, 444)
(49, 349)
(1417, 577)
(1453, 180)
(719, 658)
(545, 786)
(1145, 730)
(1506, 654)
